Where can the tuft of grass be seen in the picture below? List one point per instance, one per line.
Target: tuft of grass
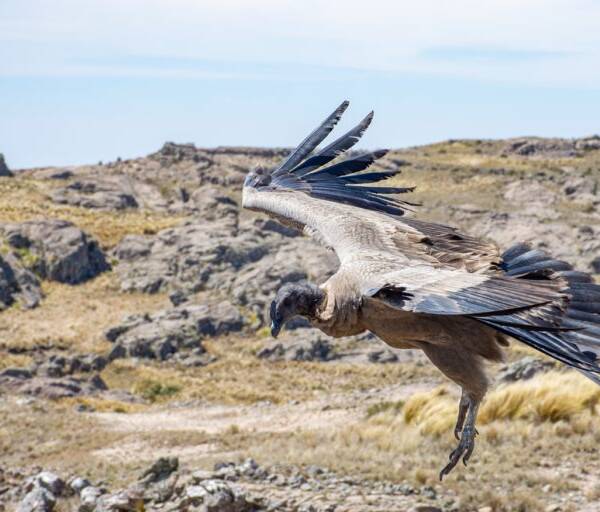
(155, 390)
(380, 407)
(74, 316)
(8, 360)
(433, 411)
(29, 259)
(99, 404)
(553, 397)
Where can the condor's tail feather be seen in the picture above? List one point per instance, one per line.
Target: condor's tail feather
(569, 330)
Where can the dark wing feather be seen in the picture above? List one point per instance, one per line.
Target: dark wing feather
(341, 182)
(312, 141)
(336, 148)
(539, 301)
(458, 293)
(349, 166)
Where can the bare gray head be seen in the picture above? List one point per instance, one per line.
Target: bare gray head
(294, 299)
(258, 177)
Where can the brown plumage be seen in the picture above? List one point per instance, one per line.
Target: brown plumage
(419, 285)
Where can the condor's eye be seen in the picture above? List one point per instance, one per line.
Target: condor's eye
(287, 302)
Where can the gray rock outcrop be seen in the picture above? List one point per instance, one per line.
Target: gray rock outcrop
(21, 381)
(54, 249)
(163, 334)
(306, 345)
(107, 193)
(235, 257)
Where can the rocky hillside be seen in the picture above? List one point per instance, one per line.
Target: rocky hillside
(139, 288)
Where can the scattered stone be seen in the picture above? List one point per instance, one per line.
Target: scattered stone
(524, 369)
(178, 297)
(16, 373)
(589, 143)
(385, 355)
(218, 496)
(54, 174)
(541, 147)
(38, 499)
(78, 484)
(51, 482)
(129, 500)
(60, 366)
(160, 470)
(310, 345)
(429, 492)
(89, 498)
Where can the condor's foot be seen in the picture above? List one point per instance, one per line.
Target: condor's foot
(467, 409)
(465, 448)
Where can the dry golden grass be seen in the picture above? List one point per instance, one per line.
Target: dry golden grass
(74, 316)
(26, 199)
(534, 433)
(552, 397)
(238, 377)
(15, 360)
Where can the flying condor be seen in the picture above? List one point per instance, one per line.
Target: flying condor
(418, 285)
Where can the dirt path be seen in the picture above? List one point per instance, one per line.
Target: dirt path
(329, 412)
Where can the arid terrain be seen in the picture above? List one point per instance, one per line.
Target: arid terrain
(137, 371)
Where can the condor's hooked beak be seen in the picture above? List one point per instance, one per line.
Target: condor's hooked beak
(276, 320)
(275, 328)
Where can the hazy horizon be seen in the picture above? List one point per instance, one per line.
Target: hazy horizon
(96, 81)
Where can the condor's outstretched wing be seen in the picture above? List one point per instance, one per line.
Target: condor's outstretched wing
(345, 206)
(421, 267)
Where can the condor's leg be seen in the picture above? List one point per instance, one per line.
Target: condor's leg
(465, 368)
(463, 407)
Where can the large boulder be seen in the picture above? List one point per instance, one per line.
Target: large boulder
(523, 369)
(55, 250)
(163, 334)
(185, 257)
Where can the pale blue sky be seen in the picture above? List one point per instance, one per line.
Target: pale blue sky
(89, 80)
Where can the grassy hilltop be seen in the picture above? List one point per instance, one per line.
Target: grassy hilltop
(193, 374)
